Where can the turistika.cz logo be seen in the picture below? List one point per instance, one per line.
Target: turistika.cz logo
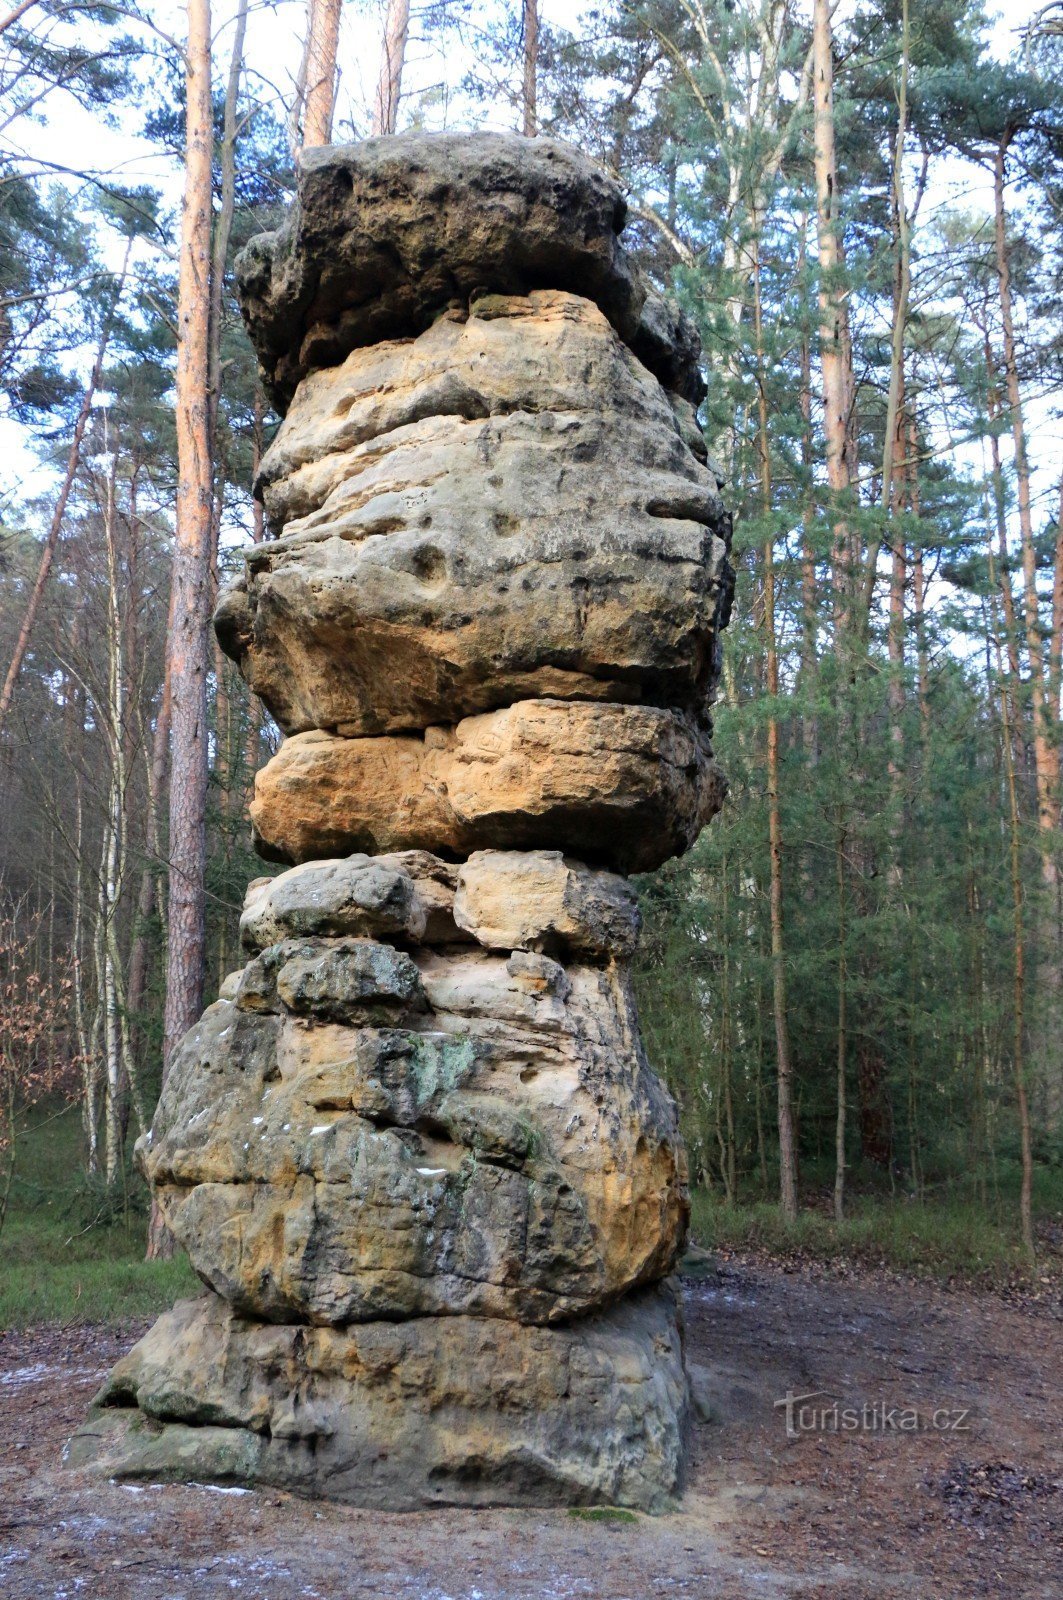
(820, 1412)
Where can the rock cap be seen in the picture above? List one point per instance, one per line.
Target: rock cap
(388, 232)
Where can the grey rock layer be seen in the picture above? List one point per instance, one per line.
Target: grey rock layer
(356, 895)
(494, 1143)
(401, 1416)
(540, 900)
(385, 234)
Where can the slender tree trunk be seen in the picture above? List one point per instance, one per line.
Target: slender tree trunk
(843, 1034)
(531, 66)
(835, 350)
(1055, 647)
(113, 853)
(922, 652)
(1045, 755)
(222, 232)
(1045, 723)
(977, 1150)
(54, 528)
(319, 92)
(994, 411)
(809, 612)
(1018, 954)
(393, 59)
(189, 647)
(893, 464)
(146, 897)
(88, 1060)
(787, 1153)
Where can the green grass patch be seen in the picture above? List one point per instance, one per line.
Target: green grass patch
(941, 1237)
(68, 1251)
(602, 1514)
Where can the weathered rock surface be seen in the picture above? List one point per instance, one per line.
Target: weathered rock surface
(491, 1142)
(385, 234)
(343, 980)
(435, 883)
(399, 1415)
(448, 542)
(539, 900)
(356, 895)
(624, 786)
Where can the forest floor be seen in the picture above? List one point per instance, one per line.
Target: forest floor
(974, 1508)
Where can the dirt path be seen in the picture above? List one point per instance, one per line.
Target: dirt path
(945, 1514)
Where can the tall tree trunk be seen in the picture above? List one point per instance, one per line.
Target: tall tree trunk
(836, 365)
(322, 44)
(922, 651)
(835, 348)
(222, 233)
(1019, 959)
(1045, 723)
(1045, 756)
(87, 1057)
(893, 464)
(787, 1152)
(894, 430)
(994, 411)
(809, 616)
(150, 892)
(531, 66)
(1055, 643)
(112, 866)
(392, 61)
(189, 647)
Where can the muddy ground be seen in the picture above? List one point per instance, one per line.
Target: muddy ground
(973, 1507)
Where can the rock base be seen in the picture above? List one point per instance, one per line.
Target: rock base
(398, 1416)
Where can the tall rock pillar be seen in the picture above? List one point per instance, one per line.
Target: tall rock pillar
(415, 1151)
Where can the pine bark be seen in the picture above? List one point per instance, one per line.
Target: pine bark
(322, 45)
(392, 61)
(783, 1057)
(835, 349)
(189, 641)
(1045, 722)
(531, 67)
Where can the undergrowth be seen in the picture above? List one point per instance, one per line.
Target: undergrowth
(69, 1252)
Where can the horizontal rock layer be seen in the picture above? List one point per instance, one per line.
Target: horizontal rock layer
(502, 899)
(363, 1132)
(505, 508)
(621, 786)
(387, 233)
(538, 900)
(399, 1416)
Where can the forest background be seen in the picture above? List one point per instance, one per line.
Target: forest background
(854, 982)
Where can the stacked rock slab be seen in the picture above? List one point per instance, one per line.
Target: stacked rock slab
(415, 1151)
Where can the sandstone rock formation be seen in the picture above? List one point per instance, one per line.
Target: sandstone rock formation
(443, 549)
(414, 1150)
(385, 234)
(401, 1415)
(628, 786)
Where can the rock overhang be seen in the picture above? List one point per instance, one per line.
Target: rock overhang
(386, 233)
